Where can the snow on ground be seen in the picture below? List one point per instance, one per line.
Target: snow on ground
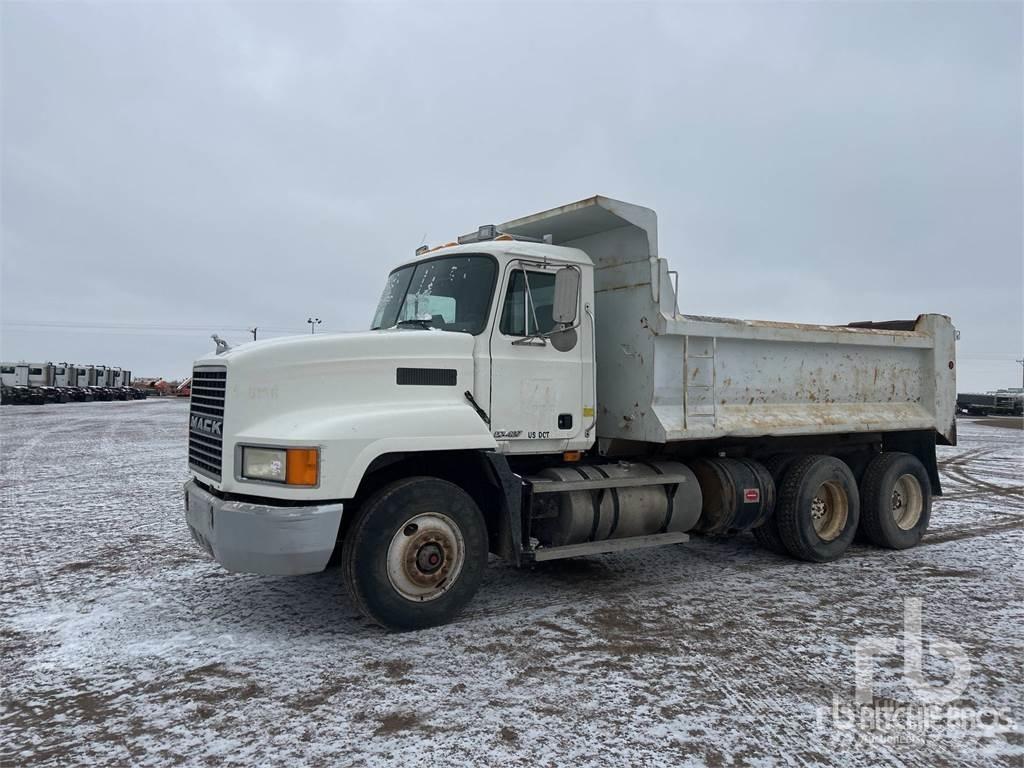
(121, 643)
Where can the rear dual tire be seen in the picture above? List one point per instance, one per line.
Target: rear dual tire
(819, 508)
(896, 497)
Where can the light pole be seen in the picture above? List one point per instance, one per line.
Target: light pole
(313, 323)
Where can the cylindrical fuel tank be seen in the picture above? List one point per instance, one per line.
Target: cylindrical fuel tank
(738, 494)
(616, 513)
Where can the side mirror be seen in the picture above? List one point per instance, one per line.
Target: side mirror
(567, 292)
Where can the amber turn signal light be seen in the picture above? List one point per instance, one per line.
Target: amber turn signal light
(303, 466)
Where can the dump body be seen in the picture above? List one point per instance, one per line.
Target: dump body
(663, 376)
(687, 378)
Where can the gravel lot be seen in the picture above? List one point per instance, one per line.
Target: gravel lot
(122, 644)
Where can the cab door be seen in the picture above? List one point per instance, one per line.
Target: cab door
(536, 390)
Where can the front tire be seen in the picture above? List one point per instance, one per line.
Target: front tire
(897, 498)
(415, 553)
(819, 507)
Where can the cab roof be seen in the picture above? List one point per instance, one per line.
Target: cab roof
(506, 250)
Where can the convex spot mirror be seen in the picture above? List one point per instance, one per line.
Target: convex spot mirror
(563, 339)
(567, 292)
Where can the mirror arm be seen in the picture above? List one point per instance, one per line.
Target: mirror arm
(543, 337)
(561, 327)
(531, 341)
(529, 303)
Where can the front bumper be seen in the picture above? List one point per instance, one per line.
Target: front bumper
(255, 538)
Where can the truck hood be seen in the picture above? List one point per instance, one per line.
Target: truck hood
(343, 348)
(340, 369)
(348, 394)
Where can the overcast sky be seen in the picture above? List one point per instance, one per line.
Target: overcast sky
(173, 166)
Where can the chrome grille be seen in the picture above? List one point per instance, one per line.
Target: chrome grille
(206, 421)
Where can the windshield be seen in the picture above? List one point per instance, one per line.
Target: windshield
(451, 293)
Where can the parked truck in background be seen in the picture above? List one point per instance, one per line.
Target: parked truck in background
(39, 374)
(532, 390)
(14, 374)
(41, 383)
(1002, 402)
(65, 375)
(86, 375)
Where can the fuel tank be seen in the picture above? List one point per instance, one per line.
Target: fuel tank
(738, 494)
(560, 519)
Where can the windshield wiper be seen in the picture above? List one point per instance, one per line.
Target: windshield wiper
(417, 321)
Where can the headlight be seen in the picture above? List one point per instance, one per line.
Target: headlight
(265, 464)
(291, 466)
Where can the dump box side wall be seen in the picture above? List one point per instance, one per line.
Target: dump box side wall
(723, 378)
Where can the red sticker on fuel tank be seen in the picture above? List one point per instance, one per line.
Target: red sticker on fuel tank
(751, 495)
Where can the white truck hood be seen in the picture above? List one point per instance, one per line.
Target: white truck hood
(345, 394)
(342, 347)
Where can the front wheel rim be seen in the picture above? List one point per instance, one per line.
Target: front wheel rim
(830, 509)
(907, 502)
(426, 556)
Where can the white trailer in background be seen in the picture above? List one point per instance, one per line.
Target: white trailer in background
(534, 391)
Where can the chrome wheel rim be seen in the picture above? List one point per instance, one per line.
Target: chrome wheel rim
(907, 502)
(829, 511)
(425, 557)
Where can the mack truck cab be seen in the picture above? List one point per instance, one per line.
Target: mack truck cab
(531, 390)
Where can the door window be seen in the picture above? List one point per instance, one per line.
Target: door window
(529, 301)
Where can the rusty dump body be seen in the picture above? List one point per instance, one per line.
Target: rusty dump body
(664, 377)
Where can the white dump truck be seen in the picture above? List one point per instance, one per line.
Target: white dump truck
(532, 390)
